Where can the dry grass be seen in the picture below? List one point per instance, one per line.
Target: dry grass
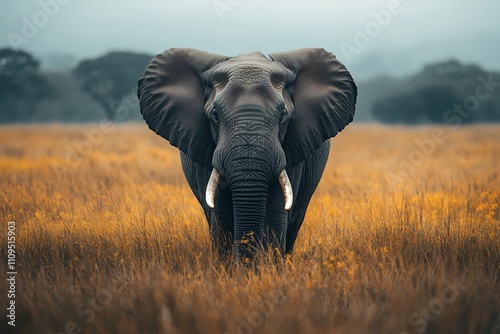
(112, 240)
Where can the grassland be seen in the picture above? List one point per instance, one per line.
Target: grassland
(402, 236)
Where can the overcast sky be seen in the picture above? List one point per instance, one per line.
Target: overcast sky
(415, 33)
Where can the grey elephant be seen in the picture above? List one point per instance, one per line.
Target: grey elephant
(254, 135)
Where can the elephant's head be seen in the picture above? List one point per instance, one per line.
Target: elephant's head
(247, 117)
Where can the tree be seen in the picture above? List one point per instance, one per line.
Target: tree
(21, 85)
(111, 78)
(426, 96)
(423, 105)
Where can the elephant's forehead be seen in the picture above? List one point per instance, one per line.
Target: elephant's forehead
(249, 74)
(243, 71)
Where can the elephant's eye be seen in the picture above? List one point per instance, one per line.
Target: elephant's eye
(215, 115)
(284, 114)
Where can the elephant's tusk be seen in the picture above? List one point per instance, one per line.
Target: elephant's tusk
(211, 188)
(287, 189)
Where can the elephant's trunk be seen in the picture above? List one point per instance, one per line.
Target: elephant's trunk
(249, 207)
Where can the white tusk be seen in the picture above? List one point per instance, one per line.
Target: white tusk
(211, 188)
(287, 189)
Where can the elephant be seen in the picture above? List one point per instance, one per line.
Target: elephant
(253, 134)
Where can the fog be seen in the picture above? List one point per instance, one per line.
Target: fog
(414, 34)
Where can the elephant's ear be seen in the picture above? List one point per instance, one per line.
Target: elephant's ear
(172, 98)
(324, 97)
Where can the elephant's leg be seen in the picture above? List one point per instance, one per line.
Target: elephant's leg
(222, 223)
(220, 219)
(309, 174)
(276, 219)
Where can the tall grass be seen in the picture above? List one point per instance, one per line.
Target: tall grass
(111, 240)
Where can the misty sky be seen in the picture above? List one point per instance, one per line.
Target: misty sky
(419, 32)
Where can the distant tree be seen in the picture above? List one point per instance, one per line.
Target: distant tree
(451, 70)
(426, 96)
(108, 79)
(423, 105)
(58, 62)
(400, 108)
(17, 67)
(21, 85)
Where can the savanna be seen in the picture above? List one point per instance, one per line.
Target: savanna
(402, 236)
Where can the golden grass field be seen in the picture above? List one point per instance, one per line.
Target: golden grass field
(109, 238)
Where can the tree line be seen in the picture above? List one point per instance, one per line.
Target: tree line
(448, 92)
(445, 92)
